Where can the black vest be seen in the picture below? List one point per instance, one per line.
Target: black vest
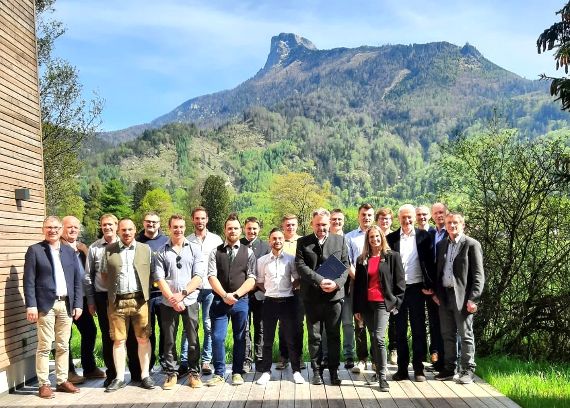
(231, 276)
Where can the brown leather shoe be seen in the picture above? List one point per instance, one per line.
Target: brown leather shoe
(45, 391)
(67, 387)
(96, 373)
(75, 378)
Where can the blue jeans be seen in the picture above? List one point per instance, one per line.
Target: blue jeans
(220, 315)
(205, 299)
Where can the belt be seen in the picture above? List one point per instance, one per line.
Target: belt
(126, 296)
(279, 299)
(61, 298)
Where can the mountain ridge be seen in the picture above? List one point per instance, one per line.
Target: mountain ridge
(370, 80)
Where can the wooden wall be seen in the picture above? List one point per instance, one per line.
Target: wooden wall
(21, 166)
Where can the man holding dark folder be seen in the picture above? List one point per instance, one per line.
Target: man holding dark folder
(318, 255)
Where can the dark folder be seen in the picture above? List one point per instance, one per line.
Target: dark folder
(332, 268)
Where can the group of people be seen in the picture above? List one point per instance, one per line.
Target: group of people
(369, 281)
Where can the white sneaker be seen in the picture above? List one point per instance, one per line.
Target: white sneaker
(264, 379)
(298, 378)
(359, 367)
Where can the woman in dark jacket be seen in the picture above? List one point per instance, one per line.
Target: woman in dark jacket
(379, 286)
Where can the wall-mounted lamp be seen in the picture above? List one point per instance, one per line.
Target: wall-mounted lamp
(22, 193)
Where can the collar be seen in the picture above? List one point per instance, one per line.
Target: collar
(293, 238)
(227, 244)
(123, 246)
(185, 242)
(279, 256)
(411, 234)
(457, 238)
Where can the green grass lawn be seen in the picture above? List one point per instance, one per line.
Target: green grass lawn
(529, 384)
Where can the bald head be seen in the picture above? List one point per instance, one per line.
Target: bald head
(71, 228)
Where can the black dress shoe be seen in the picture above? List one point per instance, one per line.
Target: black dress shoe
(334, 378)
(400, 376)
(349, 363)
(147, 383)
(317, 379)
(115, 385)
(107, 382)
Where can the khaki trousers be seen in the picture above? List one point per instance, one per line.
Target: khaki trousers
(53, 325)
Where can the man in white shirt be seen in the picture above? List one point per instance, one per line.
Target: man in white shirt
(416, 250)
(207, 241)
(276, 274)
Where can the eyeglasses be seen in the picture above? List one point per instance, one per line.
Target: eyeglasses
(53, 228)
(152, 222)
(178, 264)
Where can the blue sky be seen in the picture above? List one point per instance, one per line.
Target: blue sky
(147, 57)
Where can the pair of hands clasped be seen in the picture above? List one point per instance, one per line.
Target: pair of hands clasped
(328, 285)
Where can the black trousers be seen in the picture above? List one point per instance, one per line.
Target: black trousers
(86, 326)
(284, 311)
(412, 309)
(169, 329)
(435, 339)
(254, 349)
(107, 343)
(327, 314)
(300, 318)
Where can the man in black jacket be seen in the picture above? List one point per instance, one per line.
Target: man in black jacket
(416, 250)
(322, 296)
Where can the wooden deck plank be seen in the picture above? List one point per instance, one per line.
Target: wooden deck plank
(492, 391)
(318, 394)
(280, 392)
(303, 392)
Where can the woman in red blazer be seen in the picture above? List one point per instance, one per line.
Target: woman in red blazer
(379, 286)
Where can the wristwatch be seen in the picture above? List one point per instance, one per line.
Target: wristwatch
(236, 296)
(184, 292)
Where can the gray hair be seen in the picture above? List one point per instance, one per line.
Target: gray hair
(321, 212)
(405, 207)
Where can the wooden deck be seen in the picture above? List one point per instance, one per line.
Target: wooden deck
(280, 392)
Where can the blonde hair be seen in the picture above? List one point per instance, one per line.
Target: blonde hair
(366, 250)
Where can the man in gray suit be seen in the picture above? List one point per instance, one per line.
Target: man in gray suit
(322, 296)
(458, 287)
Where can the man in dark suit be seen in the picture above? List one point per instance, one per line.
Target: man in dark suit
(459, 284)
(259, 248)
(416, 250)
(322, 296)
(438, 213)
(54, 295)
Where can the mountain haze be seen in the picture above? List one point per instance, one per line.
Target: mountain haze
(417, 84)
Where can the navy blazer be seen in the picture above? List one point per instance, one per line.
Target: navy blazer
(310, 255)
(39, 277)
(392, 283)
(424, 244)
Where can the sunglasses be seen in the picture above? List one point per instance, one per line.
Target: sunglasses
(178, 264)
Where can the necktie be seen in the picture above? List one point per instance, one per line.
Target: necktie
(231, 255)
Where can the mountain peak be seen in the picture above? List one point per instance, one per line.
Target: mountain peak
(285, 47)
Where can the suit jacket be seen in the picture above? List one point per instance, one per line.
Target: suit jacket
(39, 277)
(424, 245)
(310, 255)
(258, 247)
(392, 283)
(467, 271)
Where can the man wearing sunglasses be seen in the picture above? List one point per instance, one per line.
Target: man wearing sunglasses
(179, 272)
